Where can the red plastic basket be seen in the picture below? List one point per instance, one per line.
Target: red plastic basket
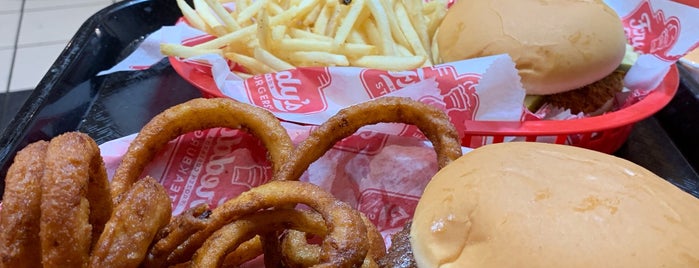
(604, 133)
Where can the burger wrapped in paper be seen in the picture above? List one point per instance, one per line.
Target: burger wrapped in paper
(543, 205)
(567, 50)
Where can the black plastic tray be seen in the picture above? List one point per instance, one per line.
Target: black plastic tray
(70, 97)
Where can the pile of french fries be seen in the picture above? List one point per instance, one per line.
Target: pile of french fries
(267, 36)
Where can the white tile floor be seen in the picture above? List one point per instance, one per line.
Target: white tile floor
(32, 35)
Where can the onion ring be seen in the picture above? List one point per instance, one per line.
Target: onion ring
(143, 210)
(179, 229)
(297, 252)
(245, 252)
(21, 208)
(75, 201)
(226, 239)
(344, 243)
(433, 122)
(198, 114)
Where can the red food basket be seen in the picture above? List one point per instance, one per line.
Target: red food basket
(604, 133)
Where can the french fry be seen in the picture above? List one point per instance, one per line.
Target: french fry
(378, 12)
(391, 63)
(318, 58)
(249, 12)
(321, 24)
(409, 31)
(414, 10)
(396, 32)
(349, 20)
(272, 35)
(181, 51)
(313, 15)
(239, 36)
(301, 34)
(204, 11)
(251, 64)
(224, 15)
(264, 31)
(270, 60)
(192, 16)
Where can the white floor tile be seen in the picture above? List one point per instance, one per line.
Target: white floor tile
(31, 64)
(52, 25)
(5, 62)
(8, 31)
(10, 5)
(30, 5)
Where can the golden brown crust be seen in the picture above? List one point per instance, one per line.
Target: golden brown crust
(143, 210)
(21, 208)
(199, 114)
(344, 243)
(589, 99)
(74, 200)
(431, 121)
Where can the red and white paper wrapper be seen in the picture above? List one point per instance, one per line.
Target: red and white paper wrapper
(383, 170)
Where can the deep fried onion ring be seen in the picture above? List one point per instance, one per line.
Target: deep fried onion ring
(226, 239)
(198, 114)
(433, 122)
(297, 252)
(21, 208)
(130, 230)
(343, 245)
(75, 203)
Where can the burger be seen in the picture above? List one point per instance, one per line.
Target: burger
(566, 51)
(526, 204)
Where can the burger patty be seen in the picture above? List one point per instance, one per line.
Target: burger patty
(400, 254)
(590, 98)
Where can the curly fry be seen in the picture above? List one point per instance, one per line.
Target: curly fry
(21, 208)
(198, 114)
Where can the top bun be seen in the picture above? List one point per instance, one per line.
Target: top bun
(526, 204)
(557, 45)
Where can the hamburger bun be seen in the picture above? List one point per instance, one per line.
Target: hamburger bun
(557, 45)
(524, 204)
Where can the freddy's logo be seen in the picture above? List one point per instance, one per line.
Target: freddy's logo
(458, 90)
(289, 91)
(651, 33)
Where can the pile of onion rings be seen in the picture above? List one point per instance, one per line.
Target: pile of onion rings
(57, 211)
(60, 210)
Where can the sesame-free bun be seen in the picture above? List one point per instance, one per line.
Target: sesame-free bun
(557, 45)
(526, 204)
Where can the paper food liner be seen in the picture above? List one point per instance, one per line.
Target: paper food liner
(381, 171)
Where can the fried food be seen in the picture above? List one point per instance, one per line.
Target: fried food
(179, 229)
(268, 36)
(75, 203)
(226, 239)
(132, 226)
(21, 208)
(343, 245)
(430, 120)
(297, 252)
(198, 114)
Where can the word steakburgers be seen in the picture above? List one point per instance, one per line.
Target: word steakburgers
(525, 204)
(565, 50)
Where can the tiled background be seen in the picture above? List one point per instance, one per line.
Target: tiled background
(32, 35)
